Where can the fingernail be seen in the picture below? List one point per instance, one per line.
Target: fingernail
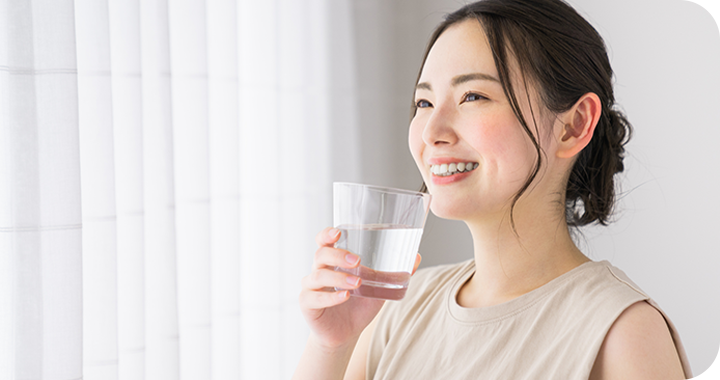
(351, 259)
(342, 294)
(352, 280)
(333, 232)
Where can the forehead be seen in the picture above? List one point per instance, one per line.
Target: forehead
(461, 49)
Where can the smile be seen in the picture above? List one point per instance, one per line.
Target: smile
(445, 170)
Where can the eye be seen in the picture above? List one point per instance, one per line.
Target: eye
(422, 103)
(471, 97)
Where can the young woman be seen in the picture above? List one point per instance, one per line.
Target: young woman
(522, 90)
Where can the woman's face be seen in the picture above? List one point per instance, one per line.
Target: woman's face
(464, 117)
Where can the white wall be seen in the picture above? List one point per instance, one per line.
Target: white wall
(666, 55)
(668, 81)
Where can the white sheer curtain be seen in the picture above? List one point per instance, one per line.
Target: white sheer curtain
(40, 219)
(164, 166)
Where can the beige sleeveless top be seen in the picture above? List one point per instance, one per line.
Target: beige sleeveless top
(553, 332)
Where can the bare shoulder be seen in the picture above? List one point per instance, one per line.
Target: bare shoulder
(638, 346)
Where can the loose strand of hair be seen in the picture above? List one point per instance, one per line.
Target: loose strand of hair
(496, 38)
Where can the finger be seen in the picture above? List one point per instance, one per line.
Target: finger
(418, 259)
(321, 300)
(328, 278)
(327, 237)
(333, 257)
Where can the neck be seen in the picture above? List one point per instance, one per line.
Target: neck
(510, 264)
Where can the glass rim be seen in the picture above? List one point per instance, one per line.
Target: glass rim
(385, 189)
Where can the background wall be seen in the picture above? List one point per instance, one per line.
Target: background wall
(665, 54)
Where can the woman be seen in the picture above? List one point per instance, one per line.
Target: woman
(522, 90)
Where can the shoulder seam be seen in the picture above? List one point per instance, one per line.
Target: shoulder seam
(627, 283)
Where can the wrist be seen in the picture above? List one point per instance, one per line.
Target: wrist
(331, 349)
(322, 362)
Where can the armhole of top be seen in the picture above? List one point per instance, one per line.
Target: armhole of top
(676, 339)
(679, 348)
(628, 300)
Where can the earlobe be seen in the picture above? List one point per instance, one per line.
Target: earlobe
(579, 127)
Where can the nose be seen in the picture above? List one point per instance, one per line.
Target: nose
(439, 128)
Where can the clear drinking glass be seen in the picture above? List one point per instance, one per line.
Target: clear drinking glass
(383, 226)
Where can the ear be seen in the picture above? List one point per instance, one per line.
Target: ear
(578, 125)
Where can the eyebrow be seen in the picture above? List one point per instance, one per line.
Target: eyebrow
(460, 79)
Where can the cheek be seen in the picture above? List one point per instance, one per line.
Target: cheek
(415, 142)
(495, 137)
(503, 144)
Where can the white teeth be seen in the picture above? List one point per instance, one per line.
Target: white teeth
(453, 168)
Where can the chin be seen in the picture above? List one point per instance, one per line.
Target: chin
(452, 212)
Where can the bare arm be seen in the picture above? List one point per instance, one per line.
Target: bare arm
(357, 367)
(347, 363)
(638, 346)
(323, 364)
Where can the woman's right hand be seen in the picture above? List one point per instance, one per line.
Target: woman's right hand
(335, 318)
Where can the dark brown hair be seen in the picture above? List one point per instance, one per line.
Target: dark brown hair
(565, 57)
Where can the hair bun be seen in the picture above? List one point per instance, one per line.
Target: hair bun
(590, 194)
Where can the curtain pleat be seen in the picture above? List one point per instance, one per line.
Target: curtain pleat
(40, 212)
(189, 90)
(164, 167)
(259, 191)
(97, 176)
(161, 293)
(299, 155)
(127, 106)
(223, 137)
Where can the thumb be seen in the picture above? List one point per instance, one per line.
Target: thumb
(418, 259)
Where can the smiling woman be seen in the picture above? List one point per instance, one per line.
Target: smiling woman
(589, 197)
(521, 92)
